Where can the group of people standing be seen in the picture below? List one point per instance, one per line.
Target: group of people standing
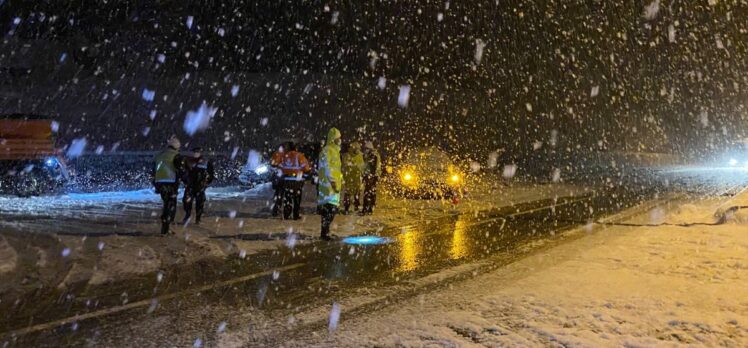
(194, 170)
(360, 169)
(337, 174)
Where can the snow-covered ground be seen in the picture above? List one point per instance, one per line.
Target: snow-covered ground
(70, 202)
(667, 277)
(102, 237)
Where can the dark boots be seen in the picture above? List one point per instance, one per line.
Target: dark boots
(168, 194)
(328, 212)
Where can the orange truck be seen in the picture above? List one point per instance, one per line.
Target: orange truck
(30, 162)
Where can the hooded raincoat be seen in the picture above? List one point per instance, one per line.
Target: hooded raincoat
(330, 171)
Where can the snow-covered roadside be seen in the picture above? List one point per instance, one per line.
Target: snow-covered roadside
(102, 237)
(681, 282)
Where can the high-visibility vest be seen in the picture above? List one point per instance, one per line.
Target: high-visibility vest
(165, 170)
(294, 165)
(277, 158)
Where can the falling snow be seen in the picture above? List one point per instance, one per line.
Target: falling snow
(76, 148)
(199, 120)
(382, 83)
(473, 107)
(404, 97)
(148, 94)
(221, 327)
(334, 318)
(651, 10)
(479, 46)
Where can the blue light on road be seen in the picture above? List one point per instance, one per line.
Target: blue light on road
(366, 240)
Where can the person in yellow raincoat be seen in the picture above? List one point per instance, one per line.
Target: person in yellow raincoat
(353, 169)
(330, 181)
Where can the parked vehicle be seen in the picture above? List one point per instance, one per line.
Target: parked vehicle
(30, 162)
(426, 173)
(256, 171)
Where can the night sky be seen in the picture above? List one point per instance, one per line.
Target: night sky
(662, 76)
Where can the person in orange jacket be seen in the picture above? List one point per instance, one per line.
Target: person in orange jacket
(294, 165)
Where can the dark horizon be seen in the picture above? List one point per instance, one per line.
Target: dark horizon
(601, 76)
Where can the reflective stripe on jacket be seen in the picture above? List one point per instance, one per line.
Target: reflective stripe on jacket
(330, 170)
(199, 173)
(165, 170)
(294, 165)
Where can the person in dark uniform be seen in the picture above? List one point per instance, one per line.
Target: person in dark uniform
(168, 167)
(372, 171)
(277, 178)
(199, 175)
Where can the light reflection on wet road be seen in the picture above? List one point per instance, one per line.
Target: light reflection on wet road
(322, 271)
(334, 268)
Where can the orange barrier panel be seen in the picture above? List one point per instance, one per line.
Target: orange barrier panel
(25, 129)
(26, 139)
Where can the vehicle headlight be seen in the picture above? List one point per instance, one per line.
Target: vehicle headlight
(262, 169)
(50, 162)
(408, 178)
(455, 178)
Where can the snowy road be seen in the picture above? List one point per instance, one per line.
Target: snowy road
(289, 293)
(324, 271)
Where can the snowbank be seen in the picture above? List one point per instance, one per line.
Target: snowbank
(628, 285)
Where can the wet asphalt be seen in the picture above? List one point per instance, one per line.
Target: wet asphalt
(305, 275)
(182, 306)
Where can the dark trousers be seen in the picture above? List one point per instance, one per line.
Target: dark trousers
(277, 196)
(328, 212)
(292, 199)
(347, 195)
(370, 194)
(168, 192)
(196, 195)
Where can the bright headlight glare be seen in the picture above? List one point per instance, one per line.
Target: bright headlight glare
(261, 170)
(408, 178)
(50, 162)
(455, 178)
